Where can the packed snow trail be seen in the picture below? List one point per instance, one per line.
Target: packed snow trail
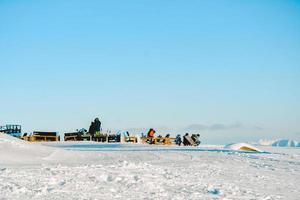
(54, 173)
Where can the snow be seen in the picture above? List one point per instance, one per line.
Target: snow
(39, 171)
(265, 142)
(239, 146)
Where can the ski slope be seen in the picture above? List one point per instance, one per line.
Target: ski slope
(36, 171)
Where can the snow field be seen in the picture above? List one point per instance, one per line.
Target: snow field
(52, 173)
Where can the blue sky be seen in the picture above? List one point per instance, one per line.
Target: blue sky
(227, 69)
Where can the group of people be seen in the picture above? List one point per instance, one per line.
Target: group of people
(193, 140)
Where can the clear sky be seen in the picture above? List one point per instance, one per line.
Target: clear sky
(227, 69)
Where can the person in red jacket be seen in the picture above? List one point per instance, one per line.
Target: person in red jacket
(151, 133)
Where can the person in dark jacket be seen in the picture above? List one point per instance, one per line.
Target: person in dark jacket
(97, 124)
(92, 130)
(185, 141)
(178, 140)
(95, 128)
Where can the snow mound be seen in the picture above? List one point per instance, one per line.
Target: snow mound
(242, 147)
(286, 143)
(4, 138)
(14, 151)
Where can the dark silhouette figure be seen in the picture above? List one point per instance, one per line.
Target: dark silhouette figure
(97, 125)
(185, 141)
(178, 140)
(95, 128)
(92, 130)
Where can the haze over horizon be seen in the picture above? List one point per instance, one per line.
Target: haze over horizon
(227, 69)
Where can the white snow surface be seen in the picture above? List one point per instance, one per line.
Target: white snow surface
(238, 146)
(35, 171)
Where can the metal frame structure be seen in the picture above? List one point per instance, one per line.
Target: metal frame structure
(11, 129)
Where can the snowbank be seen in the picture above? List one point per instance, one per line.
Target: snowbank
(242, 147)
(19, 153)
(14, 151)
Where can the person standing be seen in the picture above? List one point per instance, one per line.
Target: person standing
(95, 128)
(97, 125)
(185, 141)
(92, 130)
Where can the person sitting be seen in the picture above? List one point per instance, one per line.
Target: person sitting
(151, 133)
(129, 137)
(167, 140)
(185, 141)
(150, 136)
(178, 140)
(195, 138)
(126, 136)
